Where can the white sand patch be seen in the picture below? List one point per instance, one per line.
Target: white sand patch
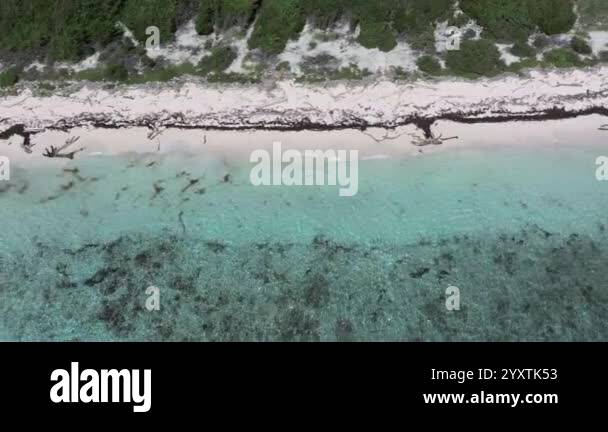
(340, 42)
(195, 103)
(598, 41)
(239, 65)
(40, 67)
(188, 46)
(90, 62)
(505, 54)
(127, 34)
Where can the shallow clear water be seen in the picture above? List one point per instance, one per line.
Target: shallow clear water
(521, 233)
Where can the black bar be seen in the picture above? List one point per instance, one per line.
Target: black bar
(188, 379)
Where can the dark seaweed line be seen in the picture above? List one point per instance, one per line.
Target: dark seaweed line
(423, 123)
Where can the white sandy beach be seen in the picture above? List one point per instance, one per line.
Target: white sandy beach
(289, 105)
(373, 143)
(151, 118)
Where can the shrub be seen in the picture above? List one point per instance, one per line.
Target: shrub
(377, 35)
(205, 21)
(283, 66)
(580, 45)
(503, 20)
(415, 16)
(219, 60)
(475, 58)
(516, 19)
(163, 74)
(66, 30)
(351, 72)
(72, 29)
(224, 14)
(522, 49)
(552, 16)
(527, 63)
(562, 58)
(400, 74)
(593, 12)
(429, 64)
(321, 64)
(541, 41)
(324, 13)
(232, 78)
(116, 72)
(9, 78)
(469, 34)
(96, 74)
(278, 21)
(424, 41)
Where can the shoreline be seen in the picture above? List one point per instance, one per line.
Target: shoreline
(373, 143)
(289, 106)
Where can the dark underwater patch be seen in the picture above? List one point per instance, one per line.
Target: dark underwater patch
(516, 286)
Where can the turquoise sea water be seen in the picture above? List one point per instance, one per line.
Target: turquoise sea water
(520, 232)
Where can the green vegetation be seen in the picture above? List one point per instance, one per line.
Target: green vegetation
(70, 30)
(375, 20)
(594, 13)
(580, 45)
(475, 58)
(223, 14)
(212, 66)
(562, 58)
(325, 13)
(527, 63)
(381, 23)
(163, 74)
(73, 29)
(218, 61)
(65, 30)
(523, 49)
(138, 15)
(541, 41)
(552, 16)
(378, 35)
(117, 72)
(278, 21)
(429, 65)
(325, 67)
(8, 78)
(349, 73)
(401, 74)
(416, 16)
(233, 78)
(512, 20)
